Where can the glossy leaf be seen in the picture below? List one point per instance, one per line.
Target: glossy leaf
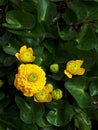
(60, 115)
(9, 49)
(46, 10)
(5, 38)
(86, 40)
(79, 9)
(67, 34)
(76, 87)
(25, 110)
(29, 127)
(92, 10)
(82, 121)
(14, 22)
(42, 122)
(69, 16)
(93, 87)
(37, 110)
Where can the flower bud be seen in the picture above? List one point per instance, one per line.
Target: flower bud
(54, 68)
(42, 96)
(49, 87)
(57, 94)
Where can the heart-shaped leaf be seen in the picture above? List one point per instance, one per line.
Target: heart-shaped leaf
(25, 110)
(60, 114)
(82, 121)
(76, 87)
(93, 87)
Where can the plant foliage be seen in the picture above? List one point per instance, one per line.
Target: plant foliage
(58, 31)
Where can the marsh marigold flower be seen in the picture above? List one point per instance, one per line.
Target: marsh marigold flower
(25, 54)
(30, 79)
(73, 67)
(44, 95)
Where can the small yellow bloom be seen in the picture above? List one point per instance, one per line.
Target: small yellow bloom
(57, 94)
(44, 95)
(30, 79)
(25, 54)
(49, 87)
(73, 67)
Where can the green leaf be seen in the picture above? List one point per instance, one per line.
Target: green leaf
(4, 102)
(82, 121)
(29, 127)
(86, 40)
(26, 5)
(92, 9)
(2, 95)
(76, 87)
(79, 9)
(50, 46)
(46, 10)
(2, 128)
(69, 16)
(3, 2)
(5, 38)
(25, 110)
(56, 0)
(17, 19)
(93, 87)
(67, 33)
(10, 49)
(42, 122)
(9, 60)
(37, 110)
(60, 114)
(37, 33)
(47, 128)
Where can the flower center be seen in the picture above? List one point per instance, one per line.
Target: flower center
(32, 77)
(74, 68)
(26, 55)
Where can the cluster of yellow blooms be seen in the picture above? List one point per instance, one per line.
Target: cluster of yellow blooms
(31, 79)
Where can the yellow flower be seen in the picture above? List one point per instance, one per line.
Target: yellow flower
(30, 79)
(49, 87)
(57, 94)
(25, 54)
(73, 67)
(44, 95)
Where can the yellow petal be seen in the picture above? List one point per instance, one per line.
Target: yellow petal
(17, 56)
(30, 50)
(49, 99)
(23, 48)
(48, 88)
(69, 75)
(81, 71)
(72, 66)
(29, 88)
(27, 57)
(79, 62)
